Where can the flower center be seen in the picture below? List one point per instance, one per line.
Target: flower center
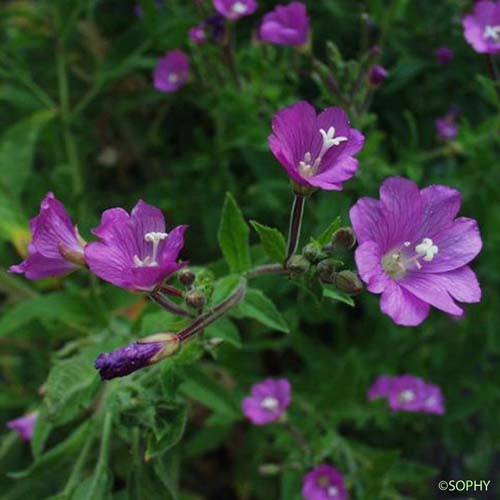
(269, 403)
(173, 78)
(492, 32)
(307, 167)
(399, 260)
(332, 491)
(150, 261)
(406, 396)
(239, 8)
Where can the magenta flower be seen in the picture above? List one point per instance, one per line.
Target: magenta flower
(324, 483)
(377, 75)
(135, 252)
(482, 27)
(414, 251)
(444, 55)
(286, 25)
(171, 72)
(235, 9)
(56, 248)
(268, 400)
(24, 426)
(446, 127)
(379, 388)
(197, 34)
(316, 151)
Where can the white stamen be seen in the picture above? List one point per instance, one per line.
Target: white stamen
(427, 249)
(492, 32)
(269, 403)
(239, 8)
(406, 396)
(173, 78)
(332, 491)
(150, 261)
(407, 243)
(330, 140)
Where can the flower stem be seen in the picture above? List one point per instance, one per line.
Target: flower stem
(169, 305)
(171, 290)
(295, 225)
(298, 437)
(267, 269)
(229, 57)
(494, 74)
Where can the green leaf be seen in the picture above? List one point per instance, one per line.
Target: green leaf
(41, 432)
(326, 236)
(258, 306)
(224, 287)
(226, 330)
(16, 151)
(233, 237)
(161, 321)
(272, 240)
(330, 292)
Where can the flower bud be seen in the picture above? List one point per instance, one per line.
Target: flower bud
(186, 277)
(348, 282)
(269, 469)
(377, 75)
(298, 264)
(313, 253)
(196, 299)
(326, 271)
(343, 239)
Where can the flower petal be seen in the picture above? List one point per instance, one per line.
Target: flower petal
(369, 263)
(402, 306)
(369, 222)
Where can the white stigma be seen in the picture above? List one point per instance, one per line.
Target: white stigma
(406, 396)
(332, 491)
(492, 32)
(173, 78)
(155, 238)
(269, 403)
(239, 8)
(427, 249)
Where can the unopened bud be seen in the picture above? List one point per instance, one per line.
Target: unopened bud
(326, 271)
(196, 299)
(186, 277)
(170, 342)
(298, 264)
(348, 282)
(343, 239)
(377, 75)
(269, 469)
(313, 253)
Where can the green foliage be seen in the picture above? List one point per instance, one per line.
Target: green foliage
(272, 240)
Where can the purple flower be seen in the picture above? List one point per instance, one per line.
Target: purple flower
(414, 251)
(197, 34)
(171, 72)
(235, 9)
(137, 355)
(24, 426)
(377, 75)
(482, 27)
(56, 248)
(135, 252)
(316, 150)
(286, 25)
(324, 483)
(444, 55)
(379, 388)
(433, 401)
(268, 400)
(446, 127)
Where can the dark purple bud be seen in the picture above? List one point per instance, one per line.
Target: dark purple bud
(348, 282)
(444, 55)
(375, 51)
(377, 75)
(128, 359)
(298, 264)
(313, 253)
(196, 299)
(343, 239)
(186, 277)
(326, 271)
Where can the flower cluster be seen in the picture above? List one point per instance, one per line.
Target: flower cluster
(408, 393)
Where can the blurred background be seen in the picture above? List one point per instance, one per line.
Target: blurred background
(80, 117)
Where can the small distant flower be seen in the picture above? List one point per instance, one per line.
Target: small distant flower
(379, 388)
(171, 72)
(56, 248)
(286, 25)
(414, 251)
(317, 151)
(377, 75)
(128, 359)
(410, 393)
(446, 127)
(197, 34)
(324, 483)
(135, 252)
(139, 11)
(24, 426)
(268, 400)
(482, 27)
(235, 9)
(444, 55)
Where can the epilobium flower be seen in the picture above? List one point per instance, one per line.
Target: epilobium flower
(414, 251)
(24, 426)
(408, 393)
(197, 34)
(171, 72)
(446, 127)
(377, 75)
(324, 483)
(444, 55)
(235, 9)
(268, 400)
(286, 25)
(317, 151)
(135, 252)
(137, 355)
(56, 248)
(482, 27)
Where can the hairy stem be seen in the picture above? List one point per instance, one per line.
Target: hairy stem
(295, 225)
(169, 305)
(267, 269)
